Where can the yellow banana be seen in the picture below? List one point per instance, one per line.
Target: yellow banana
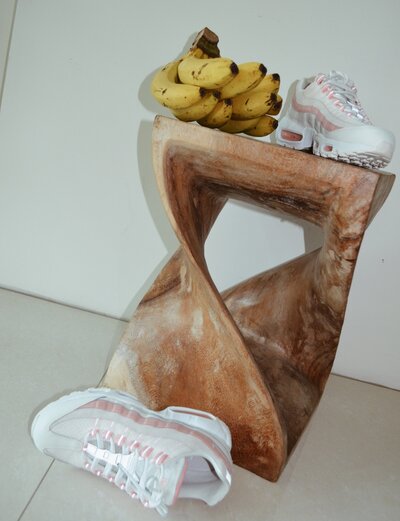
(234, 126)
(249, 76)
(171, 94)
(209, 73)
(220, 114)
(276, 107)
(266, 125)
(270, 83)
(197, 53)
(252, 104)
(198, 110)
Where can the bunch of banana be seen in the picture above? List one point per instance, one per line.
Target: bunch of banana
(202, 86)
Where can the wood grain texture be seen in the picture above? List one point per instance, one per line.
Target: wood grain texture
(259, 354)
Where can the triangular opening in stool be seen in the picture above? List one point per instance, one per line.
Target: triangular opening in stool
(247, 240)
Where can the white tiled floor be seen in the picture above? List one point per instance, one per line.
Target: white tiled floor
(346, 466)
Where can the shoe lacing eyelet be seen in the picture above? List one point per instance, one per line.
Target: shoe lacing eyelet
(127, 464)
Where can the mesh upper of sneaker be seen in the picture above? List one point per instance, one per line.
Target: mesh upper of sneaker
(153, 458)
(342, 92)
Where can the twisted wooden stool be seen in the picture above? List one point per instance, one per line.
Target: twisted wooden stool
(259, 354)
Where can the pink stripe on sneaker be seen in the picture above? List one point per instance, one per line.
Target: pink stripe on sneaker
(180, 481)
(160, 423)
(328, 125)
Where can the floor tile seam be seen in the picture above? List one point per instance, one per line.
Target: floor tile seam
(20, 517)
(7, 57)
(374, 384)
(63, 304)
(120, 319)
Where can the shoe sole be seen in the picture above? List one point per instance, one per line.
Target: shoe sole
(305, 138)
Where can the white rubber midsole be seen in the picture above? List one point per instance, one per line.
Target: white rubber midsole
(326, 146)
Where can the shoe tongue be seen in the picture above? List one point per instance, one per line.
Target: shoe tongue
(174, 474)
(338, 77)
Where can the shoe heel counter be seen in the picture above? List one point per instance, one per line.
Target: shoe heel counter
(205, 421)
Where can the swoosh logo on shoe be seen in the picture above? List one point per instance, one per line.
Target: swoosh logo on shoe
(328, 125)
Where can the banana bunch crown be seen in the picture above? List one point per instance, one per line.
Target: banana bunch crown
(202, 86)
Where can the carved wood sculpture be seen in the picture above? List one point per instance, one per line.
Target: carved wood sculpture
(259, 354)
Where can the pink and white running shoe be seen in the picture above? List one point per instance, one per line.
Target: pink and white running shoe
(155, 457)
(326, 114)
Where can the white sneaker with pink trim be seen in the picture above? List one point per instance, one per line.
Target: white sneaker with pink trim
(155, 457)
(326, 115)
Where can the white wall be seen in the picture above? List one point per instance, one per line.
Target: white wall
(80, 217)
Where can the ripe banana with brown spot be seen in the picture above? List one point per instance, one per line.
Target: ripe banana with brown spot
(198, 110)
(209, 73)
(220, 115)
(171, 94)
(234, 126)
(265, 126)
(270, 83)
(249, 76)
(276, 107)
(252, 104)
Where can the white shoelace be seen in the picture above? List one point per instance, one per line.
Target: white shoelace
(342, 89)
(125, 466)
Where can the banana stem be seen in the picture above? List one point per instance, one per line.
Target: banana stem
(207, 41)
